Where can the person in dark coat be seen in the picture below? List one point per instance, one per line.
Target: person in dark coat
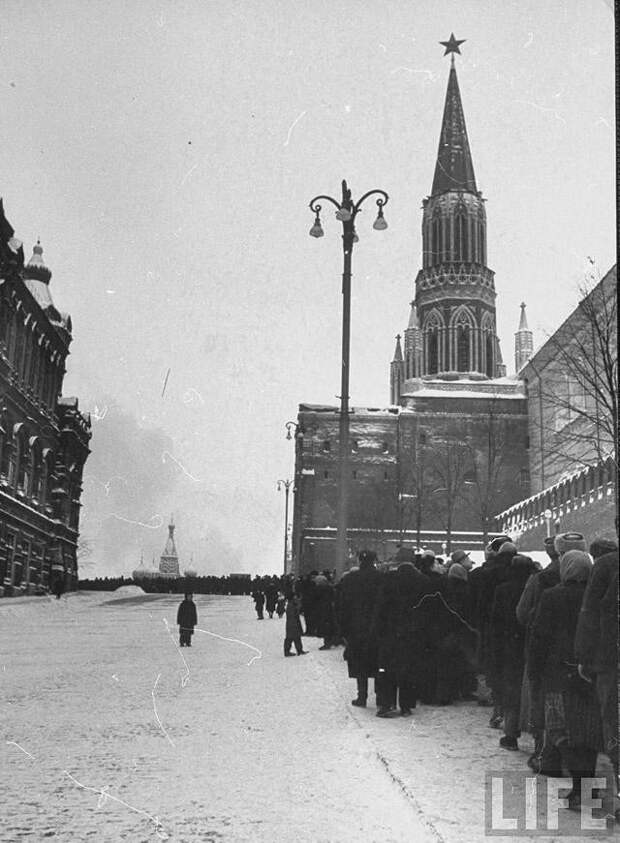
(271, 597)
(456, 649)
(325, 611)
(293, 626)
(358, 598)
(596, 643)
(492, 573)
(187, 618)
(400, 626)
(572, 715)
(546, 758)
(307, 593)
(259, 602)
(508, 646)
(436, 630)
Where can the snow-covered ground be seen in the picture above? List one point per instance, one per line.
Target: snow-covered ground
(111, 732)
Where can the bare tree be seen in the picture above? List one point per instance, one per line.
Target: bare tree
(451, 466)
(416, 485)
(485, 479)
(582, 392)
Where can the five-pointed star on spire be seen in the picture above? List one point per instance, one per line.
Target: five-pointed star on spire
(452, 45)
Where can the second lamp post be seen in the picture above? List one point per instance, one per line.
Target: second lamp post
(346, 212)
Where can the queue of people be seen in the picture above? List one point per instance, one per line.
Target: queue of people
(537, 645)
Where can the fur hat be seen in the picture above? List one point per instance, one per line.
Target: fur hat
(507, 549)
(569, 541)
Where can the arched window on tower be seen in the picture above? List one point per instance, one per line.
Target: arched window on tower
(432, 325)
(462, 348)
(490, 357)
(461, 340)
(482, 257)
(433, 352)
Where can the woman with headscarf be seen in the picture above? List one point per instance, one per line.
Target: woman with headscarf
(572, 717)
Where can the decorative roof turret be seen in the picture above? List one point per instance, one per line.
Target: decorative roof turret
(36, 269)
(169, 561)
(524, 341)
(398, 352)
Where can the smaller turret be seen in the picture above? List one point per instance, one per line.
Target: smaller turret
(524, 342)
(397, 373)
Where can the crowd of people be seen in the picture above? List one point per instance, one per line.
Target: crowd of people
(537, 645)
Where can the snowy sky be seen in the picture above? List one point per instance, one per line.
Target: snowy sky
(165, 153)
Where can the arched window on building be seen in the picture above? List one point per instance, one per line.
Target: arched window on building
(47, 474)
(482, 257)
(6, 446)
(22, 459)
(36, 468)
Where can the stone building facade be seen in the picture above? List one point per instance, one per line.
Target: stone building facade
(44, 437)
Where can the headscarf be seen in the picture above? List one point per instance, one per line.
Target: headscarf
(457, 571)
(575, 566)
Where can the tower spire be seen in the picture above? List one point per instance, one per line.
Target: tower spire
(524, 341)
(454, 169)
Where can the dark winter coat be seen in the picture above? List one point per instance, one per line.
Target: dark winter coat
(293, 624)
(271, 596)
(508, 636)
(493, 573)
(552, 640)
(187, 617)
(358, 597)
(596, 640)
(401, 625)
(259, 599)
(325, 611)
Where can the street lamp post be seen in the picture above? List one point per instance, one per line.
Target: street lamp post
(346, 212)
(286, 484)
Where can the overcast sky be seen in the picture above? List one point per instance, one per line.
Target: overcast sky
(165, 153)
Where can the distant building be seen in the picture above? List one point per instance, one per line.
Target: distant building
(44, 438)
